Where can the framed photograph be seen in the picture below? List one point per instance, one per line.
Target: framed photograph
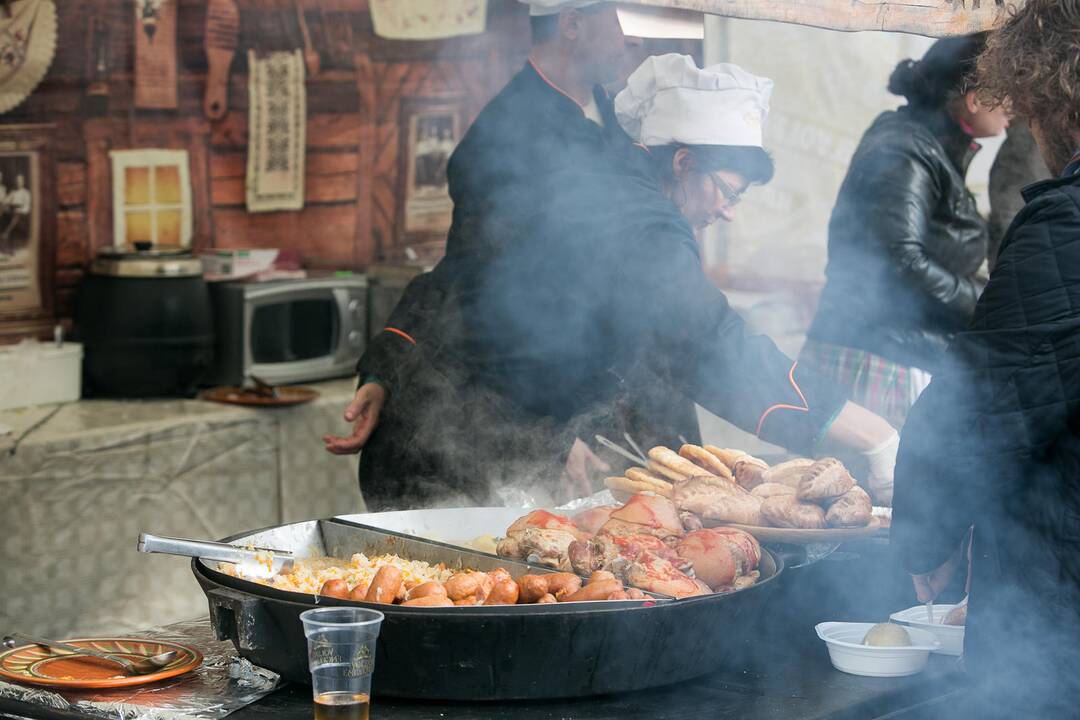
(27, 229)
(431, 129)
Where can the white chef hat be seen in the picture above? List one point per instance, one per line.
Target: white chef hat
(670, 100)
(551, 7)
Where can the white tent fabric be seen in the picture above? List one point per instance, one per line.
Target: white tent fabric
(935, 18)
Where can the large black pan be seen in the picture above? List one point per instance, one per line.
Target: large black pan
(487, 653)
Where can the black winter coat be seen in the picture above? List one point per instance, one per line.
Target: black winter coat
(558, 286)
(994, 442)
(905, 242)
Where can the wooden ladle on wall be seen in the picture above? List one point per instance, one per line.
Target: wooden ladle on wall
(220, 39)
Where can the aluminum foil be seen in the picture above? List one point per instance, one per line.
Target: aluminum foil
(604, 497)
(223, 683)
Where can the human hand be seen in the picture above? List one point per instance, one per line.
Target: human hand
(363, 412)
(575, 475)
(930, 585)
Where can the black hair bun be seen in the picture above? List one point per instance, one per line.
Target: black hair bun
(944, 71)
(905, 79)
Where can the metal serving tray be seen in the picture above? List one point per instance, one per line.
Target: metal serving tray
(342, 538)
(486, 652)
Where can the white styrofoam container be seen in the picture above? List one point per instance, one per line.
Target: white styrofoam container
(849, 655)
(35, 374)
(951, 636)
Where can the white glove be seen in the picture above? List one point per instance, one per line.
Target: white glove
(882, 460)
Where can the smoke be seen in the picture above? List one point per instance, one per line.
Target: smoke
(557, 287)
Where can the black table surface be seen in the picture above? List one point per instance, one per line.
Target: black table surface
(804, 687)
(785, 674)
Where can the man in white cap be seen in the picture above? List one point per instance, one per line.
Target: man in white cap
(553, 115)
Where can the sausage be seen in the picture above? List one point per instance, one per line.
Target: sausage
(563, 584)
(429, 601)
(427, 589)
(499, 574)
(619, 595)
(601, 575)
(635, 594)
(385, 585)
(487, 584)
(470, 600)
(337, 588)
(548, 598)
(359, 591)
(505, 592)
(599, 590)
(531, 588)
(462, 585)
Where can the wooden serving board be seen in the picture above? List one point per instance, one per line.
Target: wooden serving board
(798, 536)
(155, 56)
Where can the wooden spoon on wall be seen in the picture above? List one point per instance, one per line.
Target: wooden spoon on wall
(222, 29)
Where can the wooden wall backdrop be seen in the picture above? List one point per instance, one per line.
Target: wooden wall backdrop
(352, 187)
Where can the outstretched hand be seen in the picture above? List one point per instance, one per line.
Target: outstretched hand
(363, 412)
(579, 464)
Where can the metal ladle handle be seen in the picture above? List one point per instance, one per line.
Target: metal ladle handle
(221, 552)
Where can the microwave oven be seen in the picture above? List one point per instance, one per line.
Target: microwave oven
(288, 331)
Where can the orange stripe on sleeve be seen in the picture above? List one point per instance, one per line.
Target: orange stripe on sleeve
(805, 405)
(400, 333)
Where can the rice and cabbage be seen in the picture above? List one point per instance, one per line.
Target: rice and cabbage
(309, 574)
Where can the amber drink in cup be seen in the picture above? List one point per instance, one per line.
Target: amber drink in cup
(341, 656)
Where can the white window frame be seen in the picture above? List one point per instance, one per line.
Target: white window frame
(124, 159)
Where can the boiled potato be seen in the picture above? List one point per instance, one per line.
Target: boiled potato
(887, 635)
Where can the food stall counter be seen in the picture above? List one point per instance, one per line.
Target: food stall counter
(793, 681)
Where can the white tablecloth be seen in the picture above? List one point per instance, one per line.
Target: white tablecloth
(79, 482)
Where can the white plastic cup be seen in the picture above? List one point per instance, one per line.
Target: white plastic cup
(341, 656)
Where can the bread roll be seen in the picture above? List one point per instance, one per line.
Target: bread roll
(766, 490)
(633, 486)
(787, 511)
(706, 460)
(750, 471)
(853, 509)
(717, 499)
(787, 473)
(641, 475)
(673, 461)
(826, 479)
(660, 469)
(740, 509)
(728, 456)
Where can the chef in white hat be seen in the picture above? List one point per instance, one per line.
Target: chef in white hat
(703, 127)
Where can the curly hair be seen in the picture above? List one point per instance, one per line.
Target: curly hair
(1032, 63)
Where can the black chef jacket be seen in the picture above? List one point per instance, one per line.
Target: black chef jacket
(568, 275)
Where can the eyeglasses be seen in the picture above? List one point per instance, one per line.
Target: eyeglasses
(731, 196)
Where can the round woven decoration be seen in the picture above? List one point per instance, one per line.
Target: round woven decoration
(27, 47)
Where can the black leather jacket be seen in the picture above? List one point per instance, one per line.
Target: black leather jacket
(905, 242)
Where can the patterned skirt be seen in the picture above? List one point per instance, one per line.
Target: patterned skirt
(880, 385)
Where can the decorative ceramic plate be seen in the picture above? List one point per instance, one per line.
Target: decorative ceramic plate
(799, 536)
(27, 46)
(39, 666)
(248, 396)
